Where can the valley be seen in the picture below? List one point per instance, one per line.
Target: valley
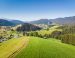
(44, 43)
(37, 28)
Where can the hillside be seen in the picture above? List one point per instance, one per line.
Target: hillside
(41, 21)
(65, 20)
(17, 22)
(8, 48)
(28, 27)
(4, 22)
(47, 48)
(36, 47)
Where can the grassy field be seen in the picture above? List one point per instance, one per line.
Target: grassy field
(43, 32)
(35, 47)
(46, 48)
(11, 46)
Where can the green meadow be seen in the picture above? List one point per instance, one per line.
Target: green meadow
(36, 47)
(46, 48)
(49, 31)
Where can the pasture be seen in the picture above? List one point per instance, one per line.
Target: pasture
(43, 32)
(46, 48)
(8, 48)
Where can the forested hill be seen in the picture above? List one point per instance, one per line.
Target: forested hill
(28, 27)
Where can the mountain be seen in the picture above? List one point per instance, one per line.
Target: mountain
(65, 20)
(4, 22)
(61, 21)
(17, 22)
(28, 27)
(41, 21)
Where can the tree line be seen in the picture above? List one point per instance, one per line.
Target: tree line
(67, 35)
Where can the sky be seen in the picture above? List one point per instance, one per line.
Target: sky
(29, 10)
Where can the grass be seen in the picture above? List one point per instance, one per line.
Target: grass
(43, 32)
(37, 47)
(7, 48)
(48, 32)
(46, 48)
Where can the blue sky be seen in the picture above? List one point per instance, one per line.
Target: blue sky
(29, 10)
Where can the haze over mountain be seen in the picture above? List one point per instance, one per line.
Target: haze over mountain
(65, 20)
(41, 21)
(5, 22)
(30, 10)
(17, 22)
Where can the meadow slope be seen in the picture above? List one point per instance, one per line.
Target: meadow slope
(51, 29)
(47, 48)
(8, 48)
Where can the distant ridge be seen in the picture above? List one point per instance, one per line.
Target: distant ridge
(4, 22)
(17, 22)
(41, 21)
(62, 21)
(65, 20)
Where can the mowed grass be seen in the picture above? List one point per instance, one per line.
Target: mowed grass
(47, 48)
(11, 46)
